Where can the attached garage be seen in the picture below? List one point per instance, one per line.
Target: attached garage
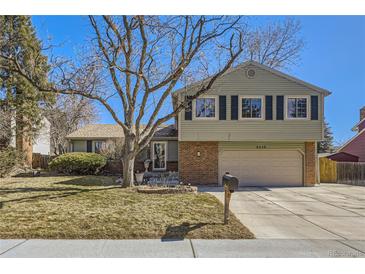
(263, 167)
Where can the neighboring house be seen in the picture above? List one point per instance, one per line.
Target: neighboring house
(354, 149)
(42, 142)
(256, 123)
(97, 137)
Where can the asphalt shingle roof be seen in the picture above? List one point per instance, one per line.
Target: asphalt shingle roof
(98, 131)
(114, 131)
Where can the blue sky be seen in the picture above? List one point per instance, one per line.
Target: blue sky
(333, 58)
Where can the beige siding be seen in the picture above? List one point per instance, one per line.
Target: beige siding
(259, 145)
(264, 83)
(79, 146)
(172, 151)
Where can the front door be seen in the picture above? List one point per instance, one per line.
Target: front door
(159, 155)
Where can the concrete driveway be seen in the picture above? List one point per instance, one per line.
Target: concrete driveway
(327, 211)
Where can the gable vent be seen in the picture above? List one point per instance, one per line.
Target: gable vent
(250, 73)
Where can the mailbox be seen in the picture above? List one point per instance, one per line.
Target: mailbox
(230, 181)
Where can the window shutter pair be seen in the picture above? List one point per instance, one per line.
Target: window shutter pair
(222, 108)
(280, 107)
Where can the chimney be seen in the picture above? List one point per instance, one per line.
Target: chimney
(362, 113)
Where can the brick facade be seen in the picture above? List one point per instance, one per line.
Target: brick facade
(310, 169)
(195, 169)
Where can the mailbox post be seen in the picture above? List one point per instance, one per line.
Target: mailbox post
(230, 185)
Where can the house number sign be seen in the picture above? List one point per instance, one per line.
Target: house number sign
(260, 147)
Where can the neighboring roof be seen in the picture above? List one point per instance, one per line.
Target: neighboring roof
(356, 127)
(273, 71)
(343, 156)
(97, 131)
(166, 132)
(351, 140)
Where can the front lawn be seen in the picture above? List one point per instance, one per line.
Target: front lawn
(90, 207)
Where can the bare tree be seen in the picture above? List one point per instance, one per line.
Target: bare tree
(68, 114)
(276, 45)
(144, 57)
(135, 62)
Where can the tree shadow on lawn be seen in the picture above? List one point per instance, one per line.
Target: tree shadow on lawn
(179, 232)
(55, 193)
(90, 181)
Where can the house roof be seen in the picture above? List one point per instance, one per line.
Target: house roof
(93, 131)
(273, 71)
(356, 127)
(337, 156)
(97, 131)
(166, 132)
(351, 140)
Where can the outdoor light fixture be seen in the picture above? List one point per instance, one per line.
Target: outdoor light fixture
(198, 154)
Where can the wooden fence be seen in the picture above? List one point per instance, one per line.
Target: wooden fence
(341, 172)
(327, 170)
(40, 161)
(351, 173)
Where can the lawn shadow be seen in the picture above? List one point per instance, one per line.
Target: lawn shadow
(50, 193)
(240, 189)
(179, 232)
(90, 181)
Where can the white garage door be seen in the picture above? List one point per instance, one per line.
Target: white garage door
(263, 167)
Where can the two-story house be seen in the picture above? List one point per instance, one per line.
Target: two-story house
(256, 123)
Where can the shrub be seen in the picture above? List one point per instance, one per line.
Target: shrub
(10, 159)
(78, 163)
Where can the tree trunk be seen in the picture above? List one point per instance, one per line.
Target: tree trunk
(128, 171)
(128, 162)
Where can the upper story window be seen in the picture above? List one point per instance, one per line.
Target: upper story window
(252, 107)
(297, 107)
(205, 108)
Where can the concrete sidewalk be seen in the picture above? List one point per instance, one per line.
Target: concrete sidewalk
(262, 248)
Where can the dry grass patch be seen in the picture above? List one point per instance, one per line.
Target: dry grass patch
(91, 207)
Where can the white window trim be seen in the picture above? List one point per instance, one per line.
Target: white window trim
(153, 155)
(296, 97)
(250, 97)
(216, 112)
(94, 142)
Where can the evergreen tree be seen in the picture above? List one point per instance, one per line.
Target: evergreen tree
(326, 146)
(17, 95)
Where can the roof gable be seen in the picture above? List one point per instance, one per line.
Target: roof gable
(263, 67)
(353, 139)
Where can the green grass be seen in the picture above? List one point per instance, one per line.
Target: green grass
(90, 207)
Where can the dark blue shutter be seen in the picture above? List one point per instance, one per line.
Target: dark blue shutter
(222, 107)
(314, 107)
(234, 107)
(280, 107)
(188, 110)
(268, 107)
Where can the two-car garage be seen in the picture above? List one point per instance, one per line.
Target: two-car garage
(263, 167)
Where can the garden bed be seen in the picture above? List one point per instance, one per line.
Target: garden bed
(166, 189)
